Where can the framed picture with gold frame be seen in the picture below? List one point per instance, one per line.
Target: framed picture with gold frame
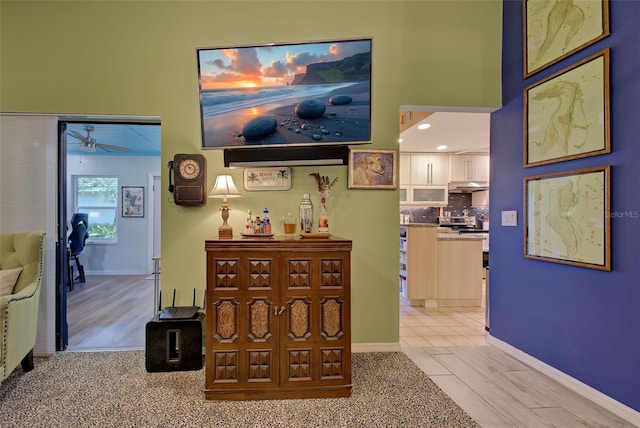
(567, 217)
(372, 169)
(554, 30)
(567, 115)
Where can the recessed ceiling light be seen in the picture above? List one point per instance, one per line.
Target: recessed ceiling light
(424, 126)
(443, 147)
(400, 140)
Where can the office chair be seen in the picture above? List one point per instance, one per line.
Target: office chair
(77, 240)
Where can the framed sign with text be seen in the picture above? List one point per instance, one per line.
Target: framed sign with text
(263, 179)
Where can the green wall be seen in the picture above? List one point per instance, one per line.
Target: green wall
(138, 58)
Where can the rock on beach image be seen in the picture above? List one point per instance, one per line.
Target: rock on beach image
(307, 121)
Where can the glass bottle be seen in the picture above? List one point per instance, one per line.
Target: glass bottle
(306, 214)
(248, 226)
(323, 219)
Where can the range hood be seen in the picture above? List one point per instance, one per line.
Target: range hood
(286, 156)
(467, 186)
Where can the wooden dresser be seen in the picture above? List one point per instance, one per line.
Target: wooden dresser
(278, 319)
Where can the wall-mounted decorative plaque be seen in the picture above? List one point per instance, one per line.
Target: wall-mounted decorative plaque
(263, 179)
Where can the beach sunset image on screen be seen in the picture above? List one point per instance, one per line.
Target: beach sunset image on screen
(291, 94)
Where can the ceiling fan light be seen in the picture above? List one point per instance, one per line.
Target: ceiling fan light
(87, 147)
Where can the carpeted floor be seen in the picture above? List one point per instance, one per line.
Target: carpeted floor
(113, 389)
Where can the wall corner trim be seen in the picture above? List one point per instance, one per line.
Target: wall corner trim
(603, 400)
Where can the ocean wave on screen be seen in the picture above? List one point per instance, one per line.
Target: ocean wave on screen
(219, 101)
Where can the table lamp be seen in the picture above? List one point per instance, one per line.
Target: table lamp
(224, 188)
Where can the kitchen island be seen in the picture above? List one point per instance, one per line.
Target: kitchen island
(438, 268)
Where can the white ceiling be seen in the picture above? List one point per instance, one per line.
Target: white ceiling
(461, 132)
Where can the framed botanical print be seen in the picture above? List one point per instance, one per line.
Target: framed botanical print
(555, 29)
(567, 217)
(567, 115)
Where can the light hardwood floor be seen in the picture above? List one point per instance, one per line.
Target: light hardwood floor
(495, 389)
(109, 312)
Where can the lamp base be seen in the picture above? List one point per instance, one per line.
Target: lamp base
(225, 234)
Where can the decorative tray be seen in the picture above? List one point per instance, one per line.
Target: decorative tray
(318, 235)
(257, 235)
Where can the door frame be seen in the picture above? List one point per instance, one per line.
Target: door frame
(62, 277)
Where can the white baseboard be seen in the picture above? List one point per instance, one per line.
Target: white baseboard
(603, 400)
(116, 272)
(376, 347)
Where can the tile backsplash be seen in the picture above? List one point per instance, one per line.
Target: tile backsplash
(457, 203)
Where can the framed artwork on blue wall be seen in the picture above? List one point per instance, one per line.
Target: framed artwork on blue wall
(567, 115)
(555, 29)
(567, 217)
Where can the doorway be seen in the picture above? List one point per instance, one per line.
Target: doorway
(438, 146)
(99, 159)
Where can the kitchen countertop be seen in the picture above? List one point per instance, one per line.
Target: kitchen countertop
(456, 237)
(446, 236)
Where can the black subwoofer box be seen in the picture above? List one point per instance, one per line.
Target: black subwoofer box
(173, 345)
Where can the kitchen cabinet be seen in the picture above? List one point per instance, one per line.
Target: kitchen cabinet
(278, 318)
(429, 169)
(460, 272)
(418, 261)
(433, 196)
(423, 179)
(470, 167)
(480, 198)
(439, 269)
(404, 173)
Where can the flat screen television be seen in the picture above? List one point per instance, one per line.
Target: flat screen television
(285, 94)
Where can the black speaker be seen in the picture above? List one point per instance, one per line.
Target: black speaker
(173, 345)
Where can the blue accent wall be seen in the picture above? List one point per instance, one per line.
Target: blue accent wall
(583, 322)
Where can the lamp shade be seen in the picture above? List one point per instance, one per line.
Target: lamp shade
(224, 188)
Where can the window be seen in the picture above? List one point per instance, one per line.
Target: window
(98, 197)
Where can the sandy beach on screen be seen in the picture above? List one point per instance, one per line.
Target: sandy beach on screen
(351, 121)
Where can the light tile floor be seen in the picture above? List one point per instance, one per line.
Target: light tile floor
(445, 326)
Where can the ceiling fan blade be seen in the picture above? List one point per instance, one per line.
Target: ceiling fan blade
(77, 135)
(109, 147)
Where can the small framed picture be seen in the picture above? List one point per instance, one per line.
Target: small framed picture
(372, 169)
(132, 201)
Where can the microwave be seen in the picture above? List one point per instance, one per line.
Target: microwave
(431, 196)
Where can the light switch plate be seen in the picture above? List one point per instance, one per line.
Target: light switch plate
(509, 218)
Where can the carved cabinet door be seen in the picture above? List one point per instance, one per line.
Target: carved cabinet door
(243, 331)
(315, 347)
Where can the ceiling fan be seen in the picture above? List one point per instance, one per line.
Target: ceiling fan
(89, 144)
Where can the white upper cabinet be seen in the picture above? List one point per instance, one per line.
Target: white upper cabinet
(429, 169)
(470, 167)
(405, 169)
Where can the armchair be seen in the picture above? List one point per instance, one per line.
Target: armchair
(19, 309)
